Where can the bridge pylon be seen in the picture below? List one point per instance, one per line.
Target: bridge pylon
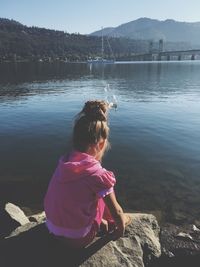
(161, 46)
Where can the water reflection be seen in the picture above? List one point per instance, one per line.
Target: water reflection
(14, 73)
(140, 80)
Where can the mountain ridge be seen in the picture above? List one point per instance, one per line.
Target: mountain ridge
(153, 29)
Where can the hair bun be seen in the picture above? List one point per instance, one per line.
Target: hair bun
(96, 110)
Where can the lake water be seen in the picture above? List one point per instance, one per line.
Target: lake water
(155, 131)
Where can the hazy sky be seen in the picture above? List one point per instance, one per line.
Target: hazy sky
(86, 16)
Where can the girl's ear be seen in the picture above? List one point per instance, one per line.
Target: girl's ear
(102, 143)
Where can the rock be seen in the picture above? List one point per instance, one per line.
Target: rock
(137, 248)
(11, 217)
(139, 245)
(39, 218)
(195, 229)
(21, 229)
(180, 246)
(180, 240)
(16, 213)
(184, 236)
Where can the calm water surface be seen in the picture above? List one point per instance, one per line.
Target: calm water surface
(155, 130)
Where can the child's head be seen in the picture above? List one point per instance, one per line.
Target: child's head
(91, 129)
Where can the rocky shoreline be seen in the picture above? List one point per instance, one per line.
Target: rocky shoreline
(25, 241)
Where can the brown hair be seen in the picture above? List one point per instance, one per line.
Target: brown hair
(90, 125)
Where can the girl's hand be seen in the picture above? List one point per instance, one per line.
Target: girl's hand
(104, 226)
(118, 232)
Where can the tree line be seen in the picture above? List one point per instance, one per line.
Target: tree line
(19, 42)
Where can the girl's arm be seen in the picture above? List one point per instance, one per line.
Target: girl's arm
(117, 213)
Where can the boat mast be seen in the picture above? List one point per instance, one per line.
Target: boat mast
(102, 44)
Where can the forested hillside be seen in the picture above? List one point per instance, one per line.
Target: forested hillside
(19, 42)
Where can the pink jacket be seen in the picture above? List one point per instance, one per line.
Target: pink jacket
(71, 201)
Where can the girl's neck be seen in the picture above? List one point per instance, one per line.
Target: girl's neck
(95, 152)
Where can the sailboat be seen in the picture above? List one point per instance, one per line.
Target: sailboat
(101, 59)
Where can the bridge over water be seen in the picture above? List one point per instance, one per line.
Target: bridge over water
(193, 54)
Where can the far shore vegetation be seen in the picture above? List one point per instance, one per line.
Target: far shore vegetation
(21, 43)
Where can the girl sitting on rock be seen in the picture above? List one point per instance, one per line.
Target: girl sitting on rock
(80, 197)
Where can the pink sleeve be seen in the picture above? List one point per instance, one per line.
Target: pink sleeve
(103, 184)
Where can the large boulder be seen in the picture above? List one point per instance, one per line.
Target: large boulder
(137, 248)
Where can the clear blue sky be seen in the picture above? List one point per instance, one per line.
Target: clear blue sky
(86, 16)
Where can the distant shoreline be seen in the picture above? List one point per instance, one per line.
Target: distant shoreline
(85, 62)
